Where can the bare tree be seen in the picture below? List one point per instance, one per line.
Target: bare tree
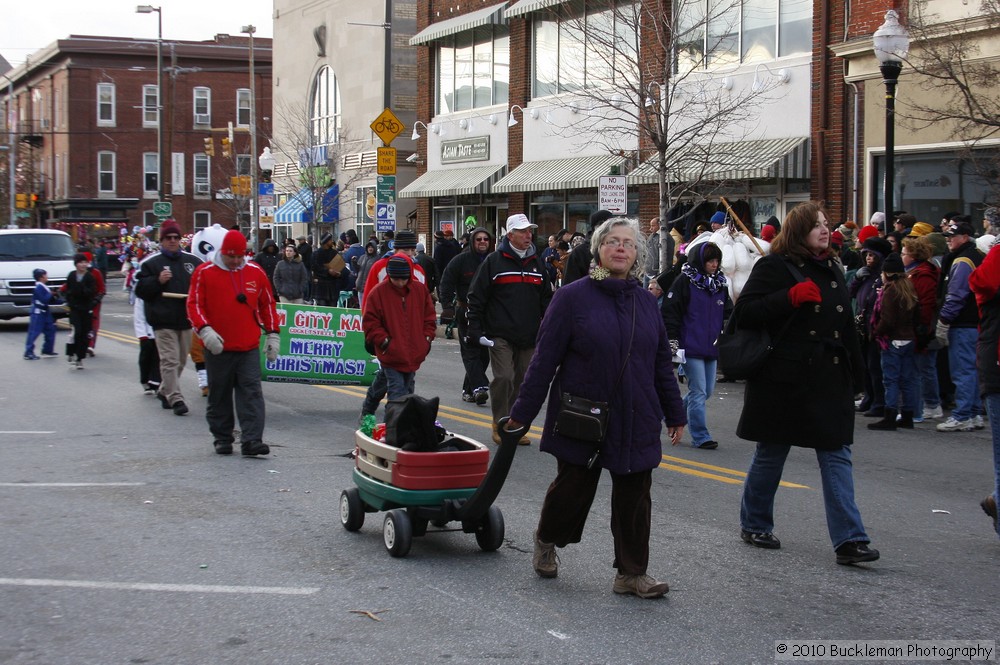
(655, 78)
(319, 149)
(960, 80)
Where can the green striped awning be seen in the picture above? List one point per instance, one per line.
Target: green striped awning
(452, 26)
(522, 7)
(554, 174)
(740, 160)
(453, 182)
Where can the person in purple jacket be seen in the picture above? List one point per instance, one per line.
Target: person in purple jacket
(603, 339)
(693, 311)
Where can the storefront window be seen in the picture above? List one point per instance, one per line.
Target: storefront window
(930, 184)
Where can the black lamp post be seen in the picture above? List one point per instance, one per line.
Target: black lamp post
(892, 43)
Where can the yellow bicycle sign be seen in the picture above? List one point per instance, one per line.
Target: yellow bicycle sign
(387, 126)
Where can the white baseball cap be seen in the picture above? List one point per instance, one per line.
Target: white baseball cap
(518, 222)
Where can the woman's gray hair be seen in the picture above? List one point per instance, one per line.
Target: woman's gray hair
(602, 231)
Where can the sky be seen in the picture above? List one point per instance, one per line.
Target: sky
(30, 25)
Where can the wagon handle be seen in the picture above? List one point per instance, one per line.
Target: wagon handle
(488, 490)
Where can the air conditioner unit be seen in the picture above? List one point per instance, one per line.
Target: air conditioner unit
(201, 188)
(203, 118)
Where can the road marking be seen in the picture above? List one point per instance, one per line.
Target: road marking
(183, 588)
(738, 480)
(444, 411)
(27, 432)
(71, 484)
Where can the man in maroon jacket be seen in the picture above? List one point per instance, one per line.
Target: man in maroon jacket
(399, 322)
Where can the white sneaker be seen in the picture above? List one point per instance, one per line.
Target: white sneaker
(953, 425)
(935, 412)
(978, 422)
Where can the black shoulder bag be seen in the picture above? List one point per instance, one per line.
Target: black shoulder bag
(743, 352)
(587, 420)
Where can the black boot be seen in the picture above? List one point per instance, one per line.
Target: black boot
(905, 420)
(888, 421)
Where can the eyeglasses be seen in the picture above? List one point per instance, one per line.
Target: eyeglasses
(171, 237)
(483, 239)
(615, 243)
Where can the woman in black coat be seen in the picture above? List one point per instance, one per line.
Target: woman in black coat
(80, 291)
(811, 375)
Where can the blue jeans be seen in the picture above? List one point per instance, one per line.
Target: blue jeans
(962, 360)
(700, 373)
(927, 393)
(993, 409)
(399, 384)
(843, 519)
(898, 367)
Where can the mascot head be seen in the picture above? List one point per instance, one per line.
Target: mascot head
(206, 241)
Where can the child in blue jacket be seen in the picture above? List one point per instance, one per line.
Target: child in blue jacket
(42, 322)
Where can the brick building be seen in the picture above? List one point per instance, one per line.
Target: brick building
(85, 115)
(508, 123)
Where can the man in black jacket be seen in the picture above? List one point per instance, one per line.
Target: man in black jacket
(507, 299)
(163, 283)
(455, 285)
(578, 263)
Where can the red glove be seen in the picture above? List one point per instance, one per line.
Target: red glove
(804, 292)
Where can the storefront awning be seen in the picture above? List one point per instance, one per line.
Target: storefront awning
(554, 174)
(523, 7)
(452, 26)
(454, 182)
(741, 160)
(299, 207)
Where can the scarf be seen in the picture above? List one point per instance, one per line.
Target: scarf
(704, 281)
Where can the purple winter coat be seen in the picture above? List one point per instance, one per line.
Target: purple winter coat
(582, 343)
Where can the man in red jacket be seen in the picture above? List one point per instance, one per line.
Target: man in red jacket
(399, 322)
(230, 303)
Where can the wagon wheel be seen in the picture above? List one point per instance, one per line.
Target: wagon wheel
(490, 532)
(352, 509)
(397, 532)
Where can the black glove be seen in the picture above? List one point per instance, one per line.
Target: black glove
(472, 333)
(863, 273)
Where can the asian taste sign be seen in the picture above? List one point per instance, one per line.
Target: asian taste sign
(465, 150)
(612, 194)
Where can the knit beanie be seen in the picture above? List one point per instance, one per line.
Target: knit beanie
(233, 244)
(893, 263)
(867, 232)
(398, 267)
(992, 218)
(920, 229)
(405, 240)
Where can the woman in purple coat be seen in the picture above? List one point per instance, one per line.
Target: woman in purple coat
(603, 339)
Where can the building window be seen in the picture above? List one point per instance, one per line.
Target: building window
(105, 104)
(202, 106)
(202, 181)
(473, 69)
(202, 219)
(715, 33)
(364, 212)
(243, 107)
(150, 106)
(243, 164)
(325, 109)
(106, 172)
(150, 173)
(567, 60)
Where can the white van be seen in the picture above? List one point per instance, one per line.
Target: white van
(23, 250)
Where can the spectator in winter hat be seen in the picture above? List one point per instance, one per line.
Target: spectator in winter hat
(718, 220)
(767, 233)
(919, 229)
(866, 232)
(878, 221)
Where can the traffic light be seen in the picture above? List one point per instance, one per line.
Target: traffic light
(210, 147)
(245, 185)
(34, 200)
(227, 148)
(21, 201)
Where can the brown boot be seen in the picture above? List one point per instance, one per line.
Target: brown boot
(643, 586)
(545, 560)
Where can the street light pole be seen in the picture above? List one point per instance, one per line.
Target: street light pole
(892, 43)
(149, 9)
(255, 213)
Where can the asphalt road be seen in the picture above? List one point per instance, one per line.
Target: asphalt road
(125, 539)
